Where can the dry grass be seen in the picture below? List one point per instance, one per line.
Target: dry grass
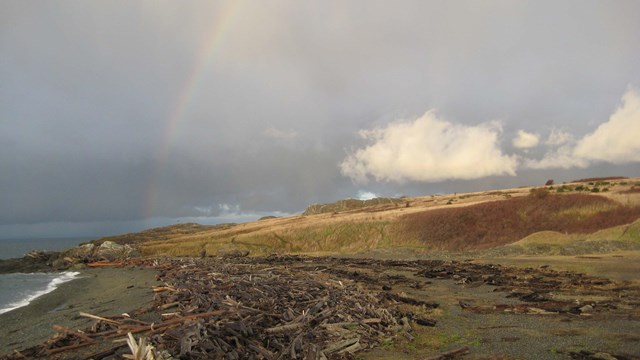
(467, 221)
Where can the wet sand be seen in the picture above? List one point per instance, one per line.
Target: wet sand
(103, 292)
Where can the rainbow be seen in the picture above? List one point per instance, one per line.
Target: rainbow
(208, 49)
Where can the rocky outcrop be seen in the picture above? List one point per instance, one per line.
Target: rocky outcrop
(34, 261)
(109, 250)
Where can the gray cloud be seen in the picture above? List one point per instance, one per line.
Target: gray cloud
(122, 112)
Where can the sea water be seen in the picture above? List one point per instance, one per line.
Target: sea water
(16, 248)
(18, 289)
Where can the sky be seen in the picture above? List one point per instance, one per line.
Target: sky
(121, 115)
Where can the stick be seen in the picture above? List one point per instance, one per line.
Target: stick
(70, 347)
(84, 314)
(284, 328)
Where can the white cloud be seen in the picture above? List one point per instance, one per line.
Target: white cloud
(366, 195)
(526, 140)
(280, 134)
(618, 140)
(558, 137)
(429, 149)
(615, 141)
(229, 209)
(561, 157)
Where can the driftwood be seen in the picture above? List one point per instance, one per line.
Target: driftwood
(106, 263)
(292, 307)
(100, 318)
(450, 354)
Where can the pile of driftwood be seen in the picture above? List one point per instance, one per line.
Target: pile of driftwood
(258, 311)
(245, 309)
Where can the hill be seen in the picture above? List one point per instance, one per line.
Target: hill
(574, 211)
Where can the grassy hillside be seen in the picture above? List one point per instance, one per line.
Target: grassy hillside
(556, 216)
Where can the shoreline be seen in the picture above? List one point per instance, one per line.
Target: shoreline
(101, 291)
(55, 282)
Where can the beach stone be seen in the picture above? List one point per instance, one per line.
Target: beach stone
(60, 264)
(81, 252)
(603, 356)
(586, 309)
(130, 251)
(232, 253)
(109, 250)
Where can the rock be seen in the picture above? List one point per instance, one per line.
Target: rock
(586, 309)
(232, 253)
(39, 255)
(81, 252)
(603, 356)
(60, 264)
(110, 250)
(131, 251)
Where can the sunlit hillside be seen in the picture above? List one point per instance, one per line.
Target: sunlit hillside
(542, 217)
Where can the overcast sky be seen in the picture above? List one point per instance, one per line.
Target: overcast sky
(118, 115)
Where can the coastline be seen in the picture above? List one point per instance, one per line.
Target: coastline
(101, 291)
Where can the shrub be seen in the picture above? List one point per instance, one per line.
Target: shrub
(539, 193)
(564, 188)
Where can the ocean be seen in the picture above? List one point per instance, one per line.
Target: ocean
(16, 248)
(17, 290)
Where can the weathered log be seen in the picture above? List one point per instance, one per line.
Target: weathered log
(340, 345)
(450, 354)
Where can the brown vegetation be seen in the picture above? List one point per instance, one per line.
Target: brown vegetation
(498, 223)
(632, 190)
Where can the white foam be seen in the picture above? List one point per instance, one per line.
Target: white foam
(52, 285)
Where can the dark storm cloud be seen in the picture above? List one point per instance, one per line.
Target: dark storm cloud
(121, 110)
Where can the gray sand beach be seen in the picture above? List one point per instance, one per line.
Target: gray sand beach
(103, 292)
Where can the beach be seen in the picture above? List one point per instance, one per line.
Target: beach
(264, 307)
(101, 291)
